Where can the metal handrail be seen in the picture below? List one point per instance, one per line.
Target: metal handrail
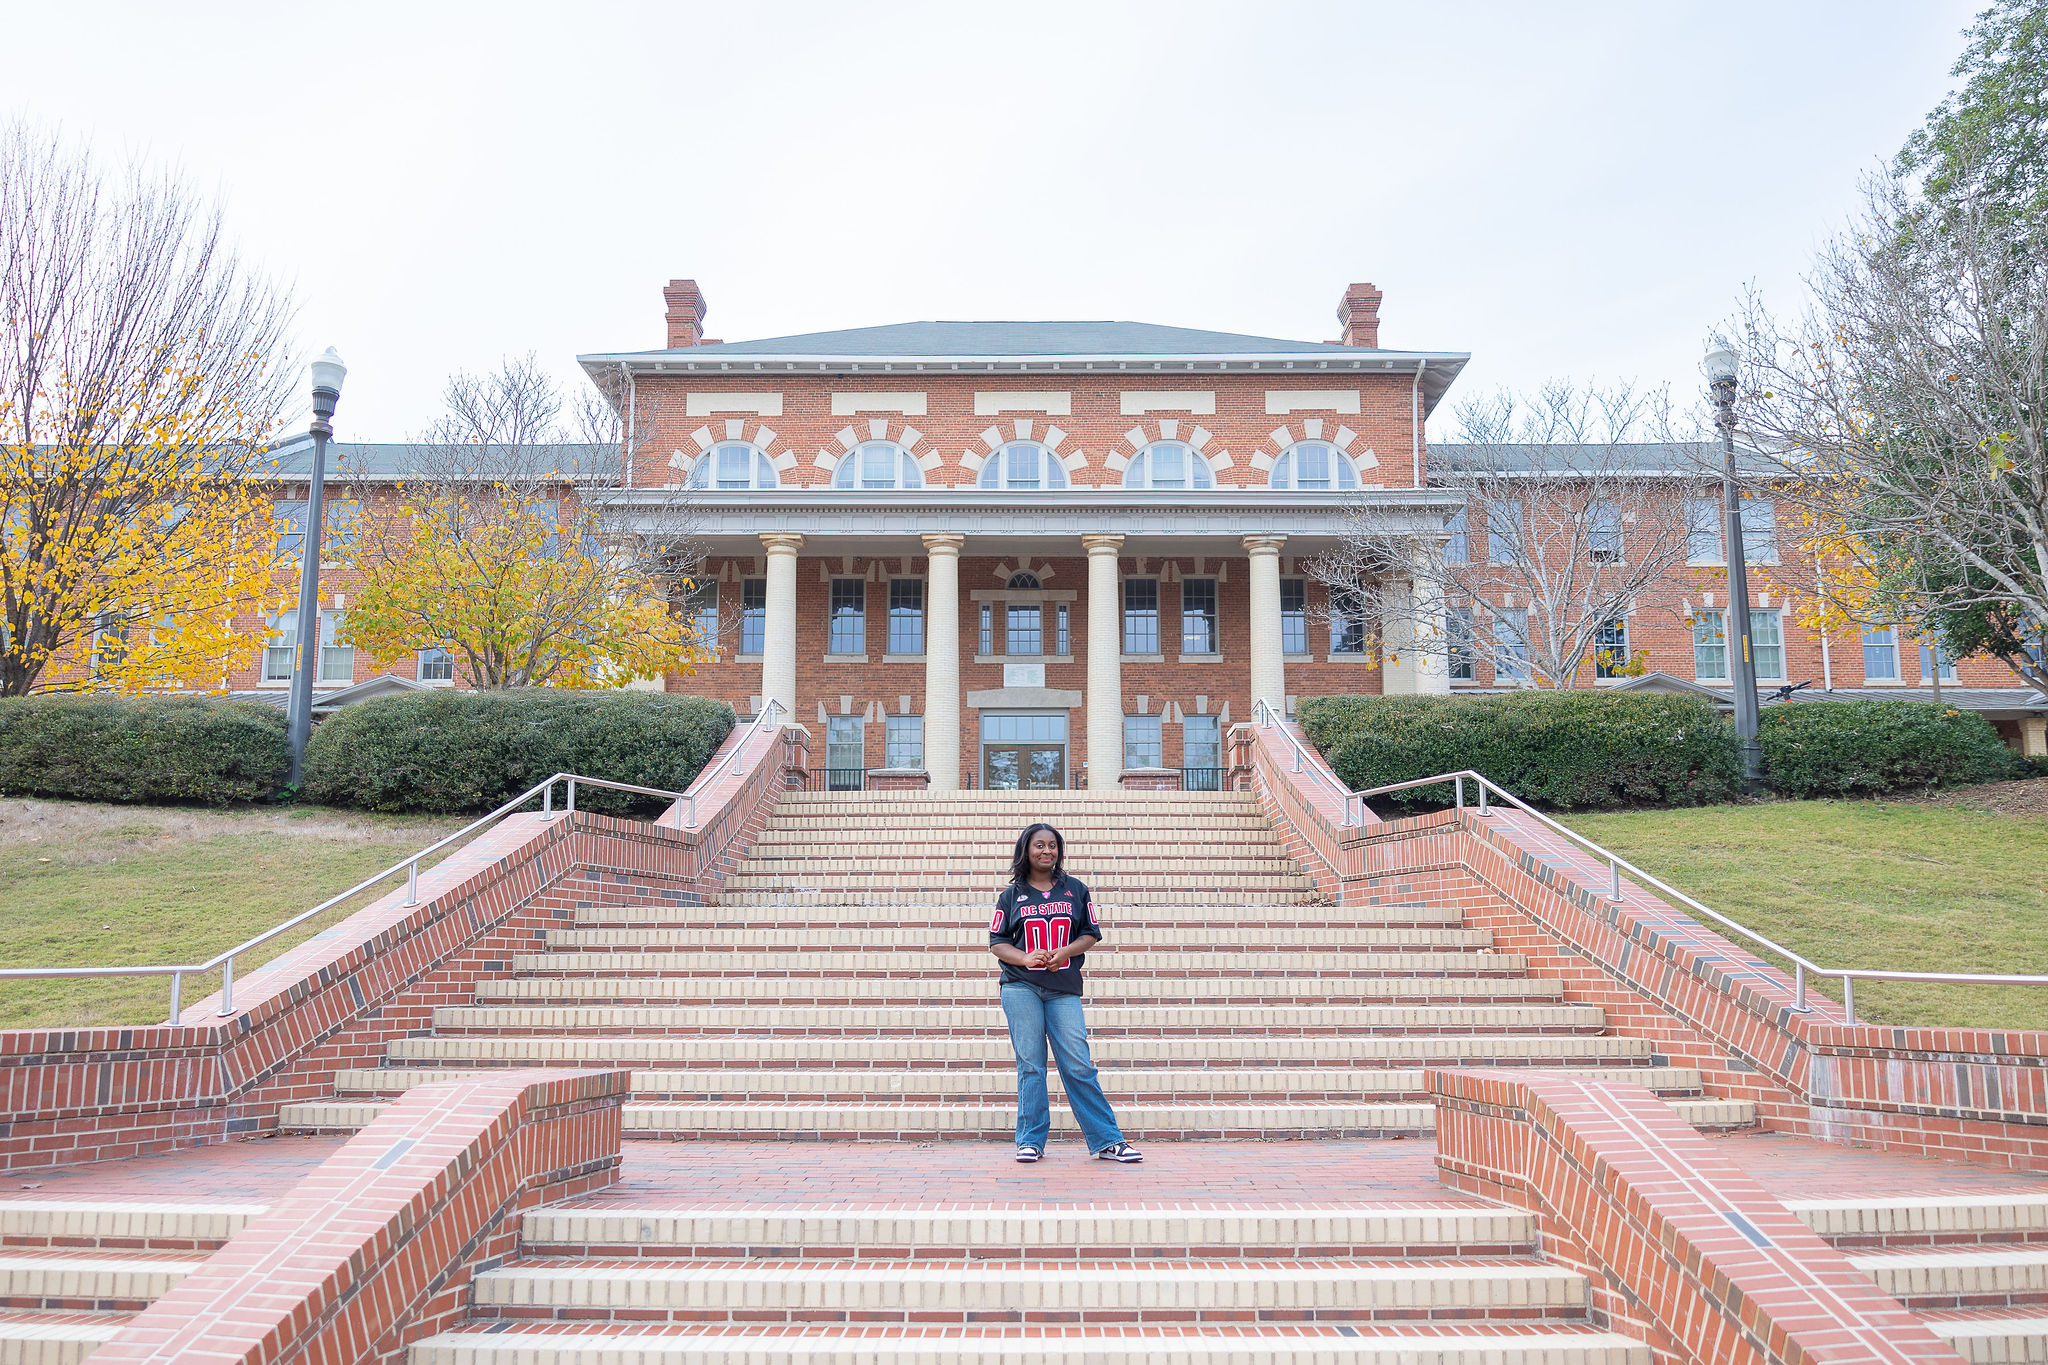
(1305, 759)
(410, 865)
(1616, 865)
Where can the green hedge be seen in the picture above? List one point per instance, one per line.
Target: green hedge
(1862, 748)
(157, 750)
(1572, 750)
(445, 752)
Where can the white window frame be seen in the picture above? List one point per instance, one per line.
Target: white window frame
(995, 471)
(1198, 475)
(333, 657)
(703, 474)
(898, 750)
(279, 646)
(1157, 743)
(1705, 521)
(1884, 640)
(420, 666)
(1343, 471)
(1757, 646)
(1720, 630)
(1604, 543)
(852, 470)
(1603, 669)
(1511, 644)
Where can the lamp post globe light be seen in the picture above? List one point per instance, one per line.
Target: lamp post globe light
(328, 372)
(1720, 367)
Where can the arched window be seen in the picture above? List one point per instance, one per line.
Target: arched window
(877, 464)
(1168, 464)
(1023, 464)
(1311, 466)
(733, 465)
(1023, 579)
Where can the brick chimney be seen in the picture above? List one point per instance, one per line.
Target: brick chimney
(1358, 313)
(685, 313)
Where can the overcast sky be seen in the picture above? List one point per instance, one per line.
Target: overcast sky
(1570, 189)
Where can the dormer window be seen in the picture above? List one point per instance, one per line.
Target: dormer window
(1168, 464)
(877, 464)
(734, 464)
(1023, 465)
(1313, 466)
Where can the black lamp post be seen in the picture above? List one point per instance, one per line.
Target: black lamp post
(328, 372)
(1720, 365)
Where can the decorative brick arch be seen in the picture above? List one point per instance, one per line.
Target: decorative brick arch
(898, 433)
(756, 434)
(994, 438)
(1147, 433)
(1280, 438)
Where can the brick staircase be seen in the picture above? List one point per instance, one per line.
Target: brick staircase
(842, 987)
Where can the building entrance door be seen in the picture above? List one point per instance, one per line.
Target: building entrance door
(1023, 750)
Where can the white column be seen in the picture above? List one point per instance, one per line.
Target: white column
(1269, 662)
(1414, 644)
(942, 661)
(1105, 663)
(778, 636)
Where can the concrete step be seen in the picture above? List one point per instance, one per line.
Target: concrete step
(994, 841)
(37, 1337)
(91, 1280)
(1103, 988)
(1013, 1233)
(997, 1122)
(918, 864)
(1994, 1338)
(1108, 962)
(1291, 917)
(893, 1291)
(1265, 1344)
(1950, 1277)
(134, 1225)
(1167, 900)
(1216, 941)
(910, 881)
(1145, 1085)
(1202, 1030)
(1924, 1220)
(1063, 799)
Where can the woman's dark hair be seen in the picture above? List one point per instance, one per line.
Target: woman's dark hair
(1020, 862)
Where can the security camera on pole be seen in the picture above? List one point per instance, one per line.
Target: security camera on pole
(328, 372)
(1720, 367)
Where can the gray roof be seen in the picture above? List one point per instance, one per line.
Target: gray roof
(292, 461)
(2015, 699)
(1680, 459)
(1047, 342)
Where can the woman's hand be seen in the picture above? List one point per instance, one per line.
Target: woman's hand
(1040, 959)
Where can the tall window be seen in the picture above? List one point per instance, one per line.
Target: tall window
(1023, 465)
(1313, 466)
(702, 611)
(753, 614)
(279, 648)
(1880, 654)
(436, 665)
(1141, 616)
(846, 758)
(1294, 616)
(1464, 657)
(1198, 616)
(1347, 623)
(1504, 531)
(906, 616)
(1511, 644)
(1927, 656)
(988, 631)
(291, 526)
(1767, 644)
(1603, 540)
(1458, 545)
(1063, 640)
(877, 464)
(903, 742)
(1201, 752)
(1024, 629)
(1759, 533)
(337, 661)
(848, 633)
(109, 642)
(1168, 464)
(1610, 650)
(1702, 531)
(1709, 646)
(733, 465)
(1144, 743)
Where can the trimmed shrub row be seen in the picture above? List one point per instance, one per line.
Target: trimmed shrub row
(1571, 750)
(440, 752)
(1581, 750)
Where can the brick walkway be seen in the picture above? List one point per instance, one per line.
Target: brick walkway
(1179, 1174)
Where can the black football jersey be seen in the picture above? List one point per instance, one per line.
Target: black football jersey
(1030, 919)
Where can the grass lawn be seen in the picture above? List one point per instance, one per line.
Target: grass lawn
(1889, 884)
(91, 885)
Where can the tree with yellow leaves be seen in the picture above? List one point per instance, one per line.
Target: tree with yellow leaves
(142, 365)
(492, 549)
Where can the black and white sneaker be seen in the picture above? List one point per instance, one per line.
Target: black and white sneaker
(1120, 1151)
(1028, 1154)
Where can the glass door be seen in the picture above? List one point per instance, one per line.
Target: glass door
(1023, 750)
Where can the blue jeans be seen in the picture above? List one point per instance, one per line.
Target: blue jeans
(1036, 1020)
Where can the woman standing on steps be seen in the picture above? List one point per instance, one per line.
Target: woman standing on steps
(1044, 923)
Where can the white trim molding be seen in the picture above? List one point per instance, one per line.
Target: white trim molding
(1051, 402)
(853, 404)
(1195, 402)
(1283, 402)
(710, 404)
